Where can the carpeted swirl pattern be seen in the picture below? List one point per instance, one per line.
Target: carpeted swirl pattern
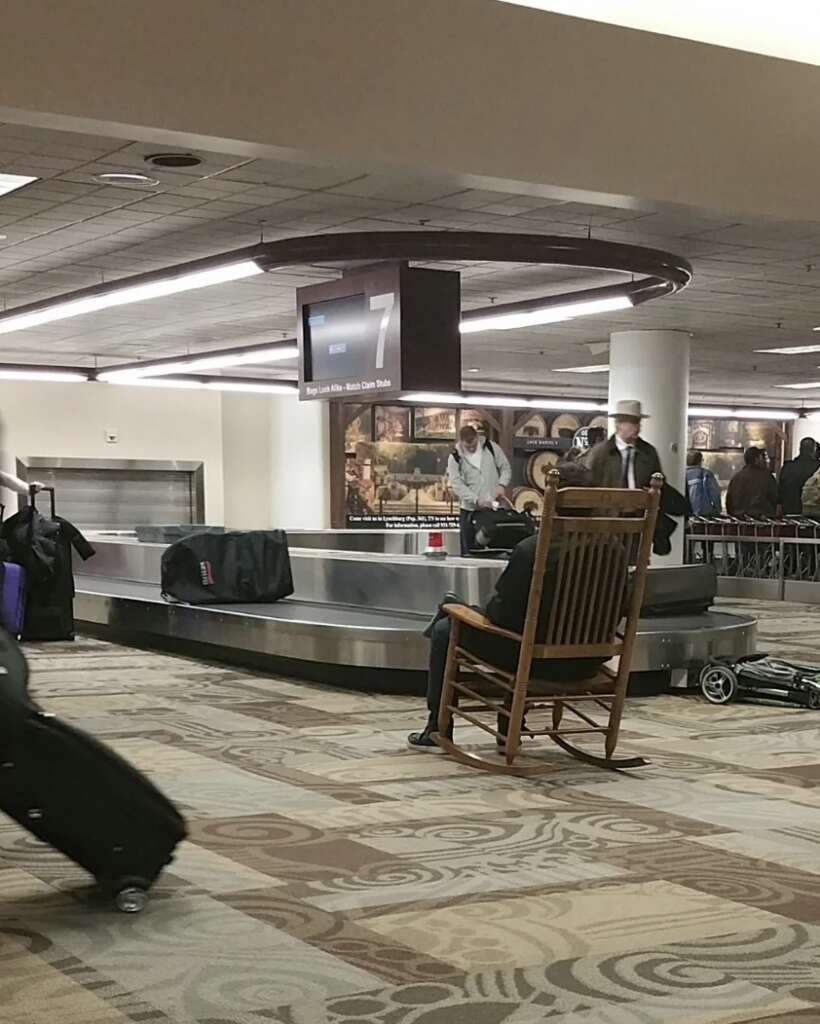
(334, 877)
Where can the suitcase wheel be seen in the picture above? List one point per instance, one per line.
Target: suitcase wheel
(131, 900)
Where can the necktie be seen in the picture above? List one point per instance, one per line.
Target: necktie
(630, 454)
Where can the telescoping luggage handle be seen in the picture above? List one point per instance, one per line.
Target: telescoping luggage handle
(32, 500)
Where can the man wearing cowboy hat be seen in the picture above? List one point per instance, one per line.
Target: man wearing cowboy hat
(625, 459)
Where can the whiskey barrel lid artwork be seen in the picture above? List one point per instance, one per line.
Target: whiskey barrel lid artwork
(539, 465)
(527, 499)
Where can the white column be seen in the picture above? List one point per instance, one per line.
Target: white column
(653, 367)
(808, 426)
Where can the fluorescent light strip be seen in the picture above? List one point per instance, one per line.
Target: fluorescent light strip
(596, 368)
(764, 414)
(571, 405)
(799, 387)
(251, 386)
(131, 293)
(11, 182)
(793, 350)
(60, 376)
(194, 364)
(503, 401)
(547, 315)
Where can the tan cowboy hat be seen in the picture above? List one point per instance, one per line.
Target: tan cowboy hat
(629, 407)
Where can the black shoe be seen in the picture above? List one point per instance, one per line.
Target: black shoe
(424, 740)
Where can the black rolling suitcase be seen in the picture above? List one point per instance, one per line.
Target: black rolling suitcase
(74, 793)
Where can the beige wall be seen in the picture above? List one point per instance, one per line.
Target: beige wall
(266, 459)
(70, 421)
(246, 460)
(468, 86)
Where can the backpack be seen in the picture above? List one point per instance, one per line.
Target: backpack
(811, 495)
(698, 498)
(488, 445)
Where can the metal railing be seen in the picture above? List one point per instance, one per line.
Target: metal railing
(784, 550)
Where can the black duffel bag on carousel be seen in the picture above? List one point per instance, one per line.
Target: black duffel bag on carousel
(235, 567)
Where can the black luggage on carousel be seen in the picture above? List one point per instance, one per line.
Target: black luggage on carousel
(235, 567)
(74, 793)
(44, 548)
(679, 590)
(501, 528)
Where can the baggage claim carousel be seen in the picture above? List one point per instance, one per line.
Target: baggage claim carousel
(361, 601)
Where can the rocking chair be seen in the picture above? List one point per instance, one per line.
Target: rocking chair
(604, 540)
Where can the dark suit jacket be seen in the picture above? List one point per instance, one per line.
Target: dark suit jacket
(606, 464)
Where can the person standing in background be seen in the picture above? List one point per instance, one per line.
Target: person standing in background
(794, 475)
(753, 491)
(479, 473)
(702, 487)
(625, 459)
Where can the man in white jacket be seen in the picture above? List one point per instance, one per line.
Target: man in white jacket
(479, 473)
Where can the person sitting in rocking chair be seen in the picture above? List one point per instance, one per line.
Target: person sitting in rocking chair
(507, 608)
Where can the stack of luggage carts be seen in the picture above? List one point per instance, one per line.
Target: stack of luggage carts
(751, 547)
(58, 782)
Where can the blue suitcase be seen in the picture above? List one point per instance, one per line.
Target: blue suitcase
(12, 597)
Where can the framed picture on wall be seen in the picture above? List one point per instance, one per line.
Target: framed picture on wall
(431, 423)
(391, 423)
(702, 434)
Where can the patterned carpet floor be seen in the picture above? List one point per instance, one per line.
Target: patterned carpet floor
(333, 877)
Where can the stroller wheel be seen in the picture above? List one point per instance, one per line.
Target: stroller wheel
(718, 684)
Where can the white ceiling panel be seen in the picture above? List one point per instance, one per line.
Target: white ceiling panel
(67, 231)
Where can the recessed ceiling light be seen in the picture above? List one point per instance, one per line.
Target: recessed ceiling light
(123, 178)
(793, 350)
(173, 160)
(11, 182)
(472, 369)
(596, 368)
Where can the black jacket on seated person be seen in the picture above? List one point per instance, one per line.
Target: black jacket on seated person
(507, 608)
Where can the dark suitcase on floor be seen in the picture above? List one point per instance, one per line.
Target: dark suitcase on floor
(74, 793)
(679, 590)
(236, 567)
(12, 597)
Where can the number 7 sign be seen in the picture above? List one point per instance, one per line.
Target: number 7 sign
(385, 302)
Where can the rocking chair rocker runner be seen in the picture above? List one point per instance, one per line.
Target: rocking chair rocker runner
(604, 539)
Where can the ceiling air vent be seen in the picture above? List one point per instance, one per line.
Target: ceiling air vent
(173, 160)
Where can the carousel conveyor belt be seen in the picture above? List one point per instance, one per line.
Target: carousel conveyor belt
(335, 642)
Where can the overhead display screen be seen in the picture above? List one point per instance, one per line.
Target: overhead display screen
(377, 331)
(336, 343)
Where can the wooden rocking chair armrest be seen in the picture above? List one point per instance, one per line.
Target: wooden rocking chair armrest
(476, 620)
